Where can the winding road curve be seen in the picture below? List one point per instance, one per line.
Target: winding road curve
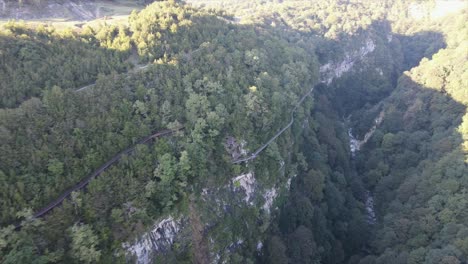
(264, 146)
(98, 171)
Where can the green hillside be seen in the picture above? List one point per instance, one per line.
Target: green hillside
(237, 132)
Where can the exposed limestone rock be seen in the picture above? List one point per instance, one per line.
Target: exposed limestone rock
(288, 183)
(159, 239)
(332, 70)
(259, 246)
(356, 144)
(389, 38)
(269, 197)
(247, 183)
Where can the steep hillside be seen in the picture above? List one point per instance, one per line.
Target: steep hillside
(256, 132)
(213, 77)
(416, 162)
(36, 59)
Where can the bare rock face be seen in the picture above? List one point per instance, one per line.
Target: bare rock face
(167, 231)
(269, 196)
(246, 182)
(356, 144)
(159, 239)
(332, 70)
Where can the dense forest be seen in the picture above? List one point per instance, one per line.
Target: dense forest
(227, 75)
(40, 58)
(416, 162)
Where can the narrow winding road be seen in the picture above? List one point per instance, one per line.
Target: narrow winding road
(264, 146)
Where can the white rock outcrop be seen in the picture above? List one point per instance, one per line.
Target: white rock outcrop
(159, 239)
(356, 144)
(332, 70)
(389, 38)
(247, 183)
(269, 196)
(380, 71)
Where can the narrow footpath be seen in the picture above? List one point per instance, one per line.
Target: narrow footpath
(264, 146)
(80, 185)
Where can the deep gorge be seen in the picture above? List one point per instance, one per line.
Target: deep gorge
(371, 167)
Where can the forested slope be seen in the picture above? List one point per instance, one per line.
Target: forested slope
(217, 80)
(416, 162)
(34, 59)
(231, 78)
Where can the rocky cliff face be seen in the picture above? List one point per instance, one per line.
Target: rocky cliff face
(158, 240)
(356, 144)
(243, 191)
(332, 70)
(244, 188)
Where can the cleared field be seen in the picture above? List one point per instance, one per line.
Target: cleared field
(72, 14)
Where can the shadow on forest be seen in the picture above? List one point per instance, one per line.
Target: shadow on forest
(349, 93)
(415, 157)
(420, 45)
(34, 60)
(423, 120)
(377, 75)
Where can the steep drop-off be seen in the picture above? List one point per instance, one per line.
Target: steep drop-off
(369, 165)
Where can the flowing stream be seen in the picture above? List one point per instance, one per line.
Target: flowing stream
(355, 145)
(369, 199)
